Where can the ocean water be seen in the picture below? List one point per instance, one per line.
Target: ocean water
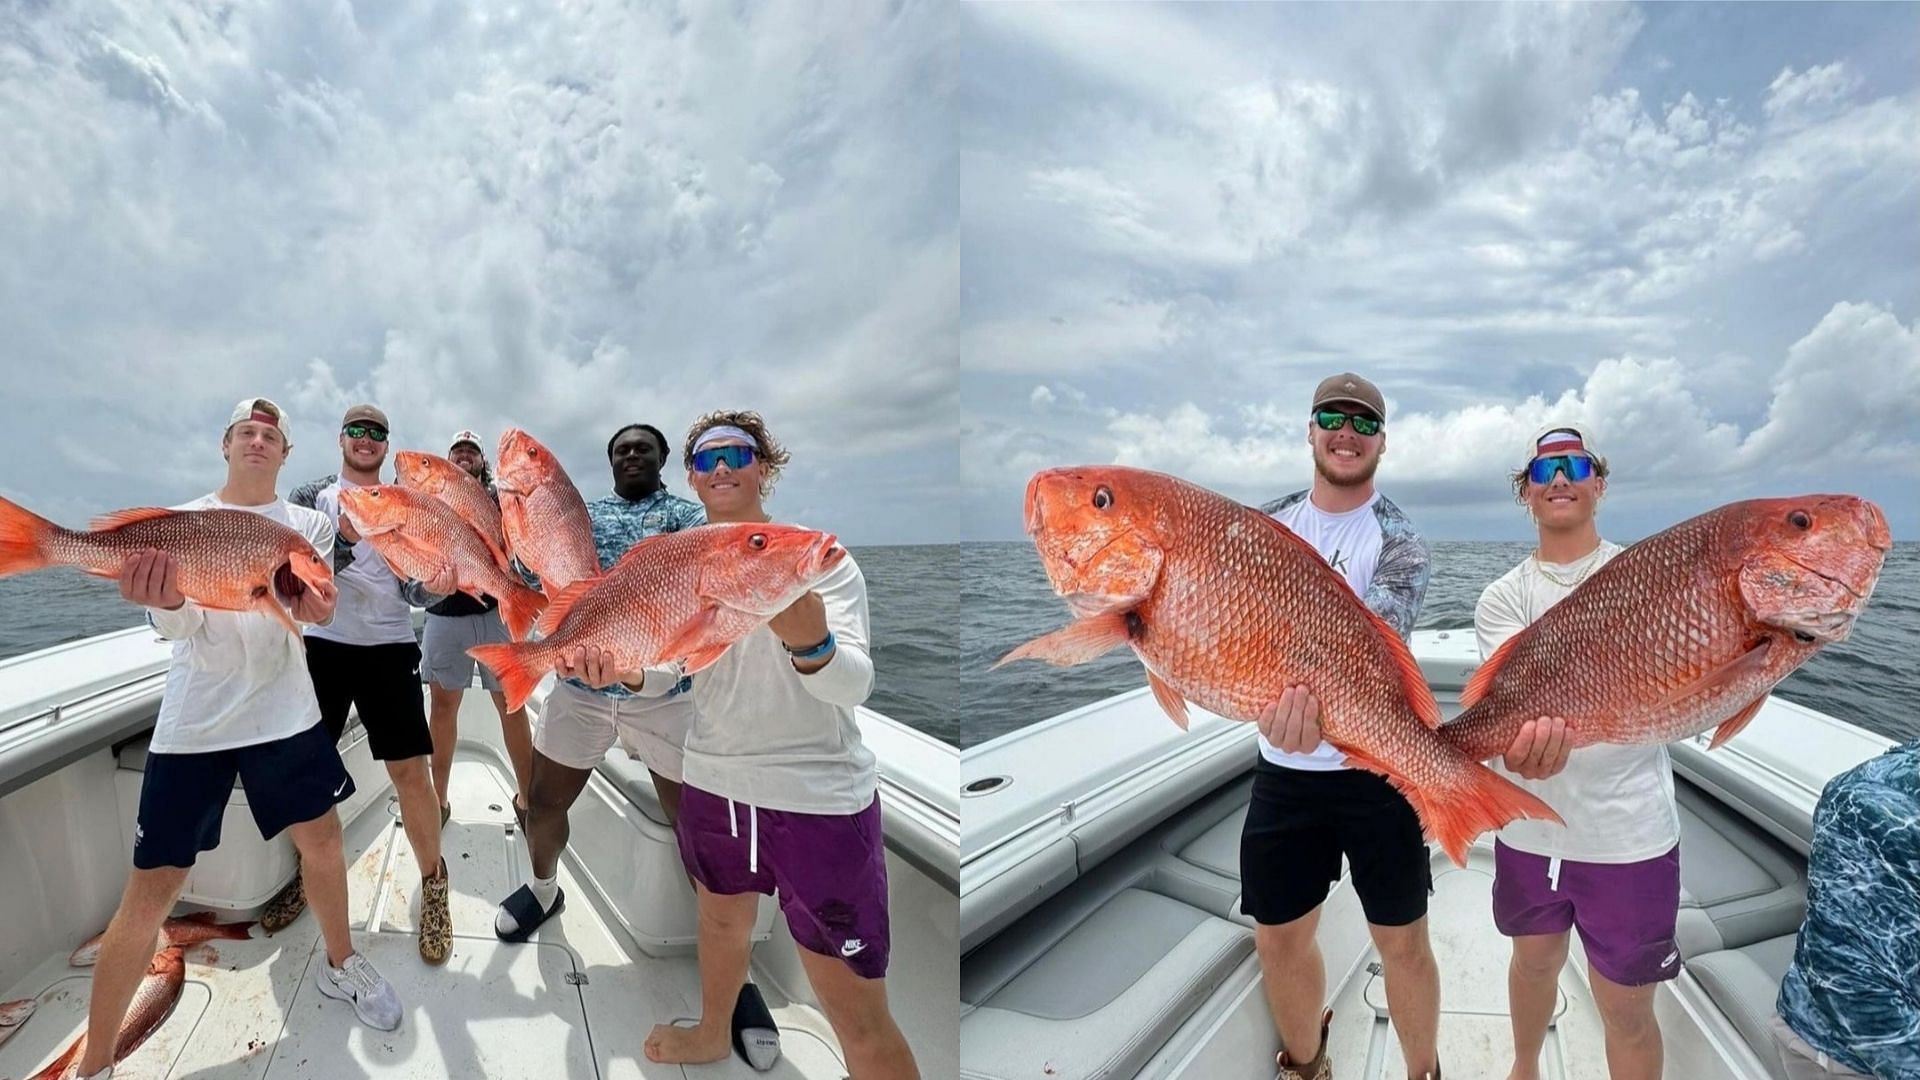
(943, 614)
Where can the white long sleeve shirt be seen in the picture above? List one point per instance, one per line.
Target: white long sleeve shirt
(771, 737)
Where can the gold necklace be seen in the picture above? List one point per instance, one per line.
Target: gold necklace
(1592, 560)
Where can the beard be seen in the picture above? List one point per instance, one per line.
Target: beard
(1323, 466)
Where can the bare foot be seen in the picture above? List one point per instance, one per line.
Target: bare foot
(688, 1046)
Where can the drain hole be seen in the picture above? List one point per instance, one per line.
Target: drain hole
(985, 785)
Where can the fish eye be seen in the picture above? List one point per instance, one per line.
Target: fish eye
(1102, 498)
(1799, 520)
(757, 541)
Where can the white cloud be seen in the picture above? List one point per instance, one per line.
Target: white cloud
(1797, 97)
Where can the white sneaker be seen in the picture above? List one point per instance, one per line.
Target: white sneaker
(374, 1001)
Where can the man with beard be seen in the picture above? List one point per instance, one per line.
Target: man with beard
(1309, 808)
(454, 625)
(368, 660)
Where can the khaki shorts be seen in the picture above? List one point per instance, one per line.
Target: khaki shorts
(1802, 1061)
(577, 727)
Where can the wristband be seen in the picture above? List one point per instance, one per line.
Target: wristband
(814, 653)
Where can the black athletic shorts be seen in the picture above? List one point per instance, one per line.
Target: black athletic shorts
(1300, 823)
(383, 683)
(184, 796)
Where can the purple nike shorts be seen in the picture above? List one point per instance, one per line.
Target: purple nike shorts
(830, 870)
(1625, 911)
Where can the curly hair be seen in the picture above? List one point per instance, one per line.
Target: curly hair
(1519, 478)
(768, 449)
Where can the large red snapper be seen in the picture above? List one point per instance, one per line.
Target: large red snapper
(542, 514)
(1227, 608)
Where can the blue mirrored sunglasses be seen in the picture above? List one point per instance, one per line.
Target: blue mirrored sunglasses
(1578, 467)
(736, 457)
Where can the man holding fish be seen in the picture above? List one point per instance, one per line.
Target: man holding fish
(780, 792)
(1613, 868)
(237, 701)
(367, 659)
(1309, 807)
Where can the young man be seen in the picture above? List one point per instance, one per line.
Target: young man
(579, 723)
(1613, 870)
(780, 791)
(1309, 807)
(1849, 1005)
(237, 702)
(367, 659)
(455, 625)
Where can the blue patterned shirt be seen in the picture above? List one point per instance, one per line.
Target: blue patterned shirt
(618, 524)
(1853, 991)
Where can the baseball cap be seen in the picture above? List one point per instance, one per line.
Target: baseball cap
(467, 437)
(261, 410)
(1352, 389)
(366, 414)
(1562, 439)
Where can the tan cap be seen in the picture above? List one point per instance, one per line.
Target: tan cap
(366, 414)
(263, 411)
(467, 437)
(1351, 388)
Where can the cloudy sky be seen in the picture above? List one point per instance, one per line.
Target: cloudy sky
(476, 213)
(1691, 226)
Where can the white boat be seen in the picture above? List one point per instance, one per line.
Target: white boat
(1101, 934)
(575, 1003)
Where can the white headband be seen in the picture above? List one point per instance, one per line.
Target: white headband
(722, 431)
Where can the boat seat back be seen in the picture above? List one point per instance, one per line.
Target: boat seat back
(1738, 885)
(1744, 982)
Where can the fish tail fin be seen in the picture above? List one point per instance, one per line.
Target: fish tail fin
(236, 931)
(520, 609)
(60, 1066)
(514, 666)
(23, 539)
(1469, 800)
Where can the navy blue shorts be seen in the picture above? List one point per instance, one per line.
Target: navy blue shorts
(184, 796)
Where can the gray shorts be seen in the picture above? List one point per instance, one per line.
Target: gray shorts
(444, 648)
(577, 727)
(1802, 1061)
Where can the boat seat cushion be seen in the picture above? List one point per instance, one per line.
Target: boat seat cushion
(1738, 885)
(1200, 852)
(1744, 982)
(635, 782)
(1097, 1000)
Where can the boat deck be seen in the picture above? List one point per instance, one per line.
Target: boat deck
(577, 1002)
(1476, 1030)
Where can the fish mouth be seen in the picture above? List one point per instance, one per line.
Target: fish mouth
(1824, 627)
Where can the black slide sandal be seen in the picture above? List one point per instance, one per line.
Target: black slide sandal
(525, 910)
(755, 1035)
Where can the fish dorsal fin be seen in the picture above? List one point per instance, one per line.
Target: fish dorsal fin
(1412, 680)
(1482, 680)
(560, 606)
(1754, 657)
(120, 519)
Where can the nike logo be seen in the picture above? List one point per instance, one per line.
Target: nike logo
(341, 788)
(853, 947)
(1671, 957)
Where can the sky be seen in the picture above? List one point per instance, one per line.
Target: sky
(941, 246)
(1692, 227)
(477, 214)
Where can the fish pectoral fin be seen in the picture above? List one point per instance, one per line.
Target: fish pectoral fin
(692, 640)
(1169, 699)
(267, 604)
(1732, 725)
(1075, 643)
(1745, 664)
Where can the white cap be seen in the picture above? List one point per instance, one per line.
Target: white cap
(467, 437)
(264, 411)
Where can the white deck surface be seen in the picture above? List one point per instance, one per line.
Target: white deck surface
(578, 1002)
